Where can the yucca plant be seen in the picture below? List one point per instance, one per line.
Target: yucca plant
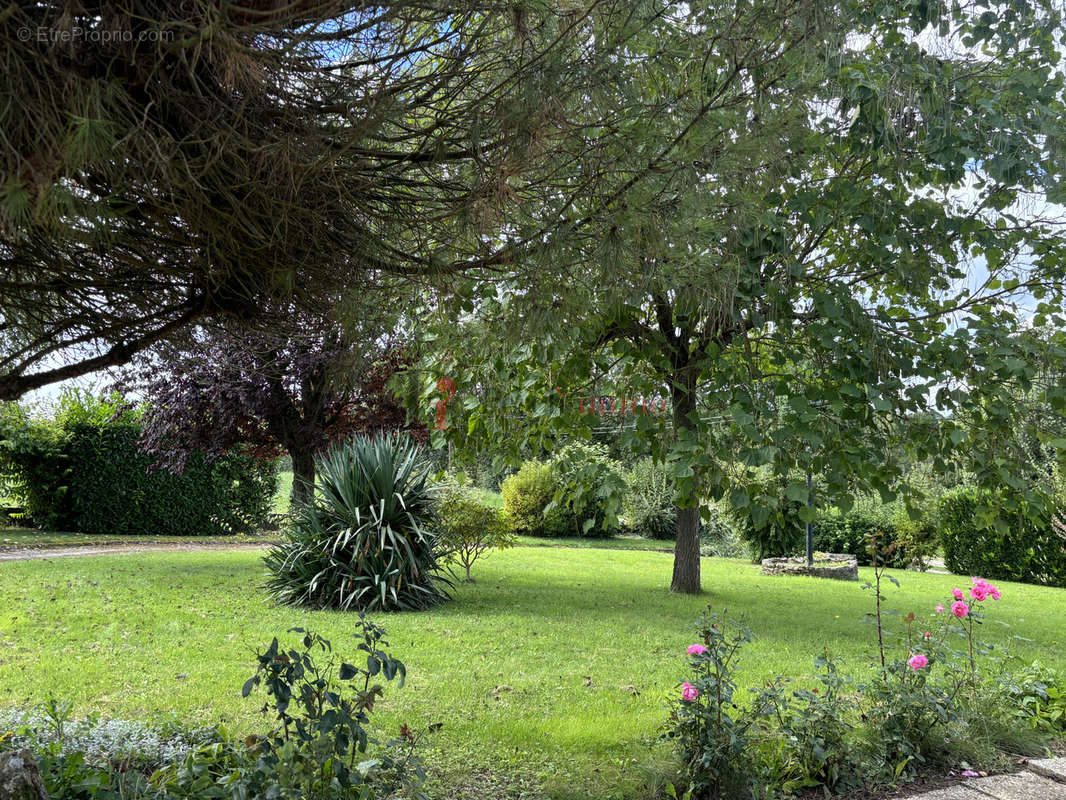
(364, 542)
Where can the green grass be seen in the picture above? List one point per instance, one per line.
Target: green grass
(611, 543)
(19, 538)
(532, 669)
(487, 497)
(284, 493)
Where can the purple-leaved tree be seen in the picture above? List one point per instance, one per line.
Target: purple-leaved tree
(294, 385)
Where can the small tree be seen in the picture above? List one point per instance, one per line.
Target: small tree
(467, 528)
(294, 385)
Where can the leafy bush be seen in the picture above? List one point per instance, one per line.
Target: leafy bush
(577, 493)
(649, 504)
(767, 520)
(1012, 547)
(917, 540)
(366, 540)
(1038, 695)
(590, 488)
(319, 735)
(83, 471)
(854, 532)
(467, 529)
(526, 497)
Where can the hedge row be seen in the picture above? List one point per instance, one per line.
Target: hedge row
(1007, 546)
(83, 472)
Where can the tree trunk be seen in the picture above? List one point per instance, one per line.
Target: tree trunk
(303, 476)
(687, 547)
(687, 552)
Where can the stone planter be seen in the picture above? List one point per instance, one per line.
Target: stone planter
(826, 565)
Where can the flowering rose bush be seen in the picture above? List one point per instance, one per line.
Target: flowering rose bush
(926, 706)
(712, 739)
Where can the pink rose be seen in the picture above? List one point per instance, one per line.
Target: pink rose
(996, 593)
(696, 649)
(979, 592)
(969, 773)
(960, 609)
(689, 692)
(928, 635)
(957, 593)
(917, 662)
(939, 608)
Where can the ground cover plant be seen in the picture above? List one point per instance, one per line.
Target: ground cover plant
(550, 674)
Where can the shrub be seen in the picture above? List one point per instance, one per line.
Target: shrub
(649, 504)
(1014, 547)
(769, 522)
(467, 529)
(916, 539)
(526, 497)
(711, 735)
(590, 489)
(854, 531)
(1038, 696)
(718, 537)
(366, 540)
(83, 471)
(320, 710)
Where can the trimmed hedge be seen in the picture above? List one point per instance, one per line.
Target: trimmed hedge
(84, 472)
(1019, 550)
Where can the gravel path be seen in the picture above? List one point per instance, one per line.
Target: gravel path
(38, 553)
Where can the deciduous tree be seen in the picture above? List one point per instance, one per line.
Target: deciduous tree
(840, 241)
(294, 386)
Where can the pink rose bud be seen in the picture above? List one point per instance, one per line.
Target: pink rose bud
(689, 692)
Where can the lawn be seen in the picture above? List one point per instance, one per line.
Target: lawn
(550, 673)
(20, 538)
(284, 492)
